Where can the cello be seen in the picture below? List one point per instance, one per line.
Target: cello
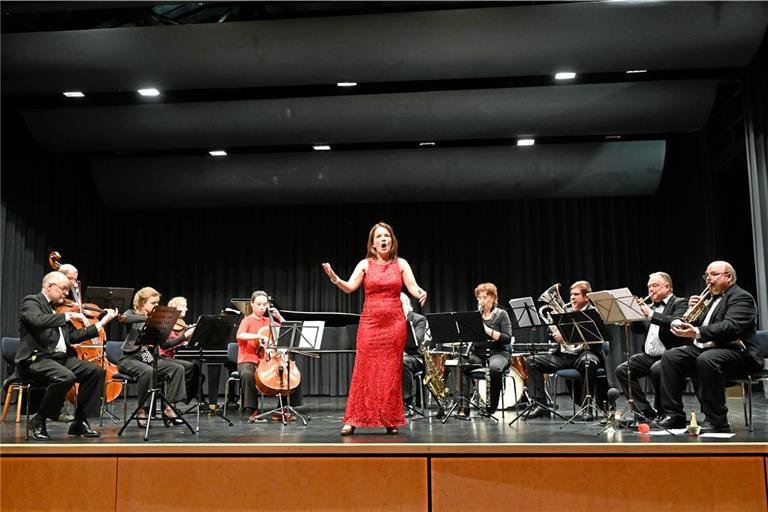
(276, 374)
(91, 350)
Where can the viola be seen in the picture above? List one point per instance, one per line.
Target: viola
(272, 374)
(91, 350)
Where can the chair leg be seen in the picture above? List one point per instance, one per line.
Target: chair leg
(554, 392)
(19, 400)
(749, 395)
(7, 404)
(744, 402)
(18, 407)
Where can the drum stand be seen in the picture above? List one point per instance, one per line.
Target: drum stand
(587, 405)
(532, 402)
(463, 402)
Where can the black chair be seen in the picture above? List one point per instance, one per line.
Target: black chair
(747, 380)
(232, 352)
(15, 383)
(114, 351)
(573, 375)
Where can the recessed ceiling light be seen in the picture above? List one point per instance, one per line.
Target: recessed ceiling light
(633, 71)
(346, 84)
(430, 143)
(321, 147)
(73, 94)
(217, 152)
(149, 92)
(526, 142)
(565, 75)
(613, 136)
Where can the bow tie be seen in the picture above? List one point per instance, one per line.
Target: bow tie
(658, 304)
(52, 305)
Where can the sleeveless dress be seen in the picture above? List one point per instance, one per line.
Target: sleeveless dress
(376, 393)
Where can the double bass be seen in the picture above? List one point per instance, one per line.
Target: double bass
(91, 350)
(272, 375)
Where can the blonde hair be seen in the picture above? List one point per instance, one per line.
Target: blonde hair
(176, 301)
(142, 296)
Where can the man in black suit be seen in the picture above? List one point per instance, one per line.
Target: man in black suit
(665, 308)
(46, 357)
(413, 362)
(723, 346)
(584, 359)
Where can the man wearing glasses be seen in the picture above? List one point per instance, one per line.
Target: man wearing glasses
(723, 346)
(45, 356)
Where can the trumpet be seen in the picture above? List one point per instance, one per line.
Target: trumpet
(694, 312)
(644, 302)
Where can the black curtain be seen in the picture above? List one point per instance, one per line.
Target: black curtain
(700, 213)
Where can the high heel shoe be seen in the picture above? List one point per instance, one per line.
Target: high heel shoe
(392, 431)
(172, 420)
(347, 430)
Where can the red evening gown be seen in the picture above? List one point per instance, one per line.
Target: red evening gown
(376, 393)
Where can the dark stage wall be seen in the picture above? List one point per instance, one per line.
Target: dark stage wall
(700, 213)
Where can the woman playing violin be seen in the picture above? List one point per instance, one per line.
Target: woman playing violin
(252, 337)
(137, 360)
(180, 336)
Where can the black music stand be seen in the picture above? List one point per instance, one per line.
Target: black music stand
(526, 316)
(462, 327)
(586, 328)
(621, 307)
(212, 332)
(155, 331)
(288, 338)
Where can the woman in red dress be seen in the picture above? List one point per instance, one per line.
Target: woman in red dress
(376, 394)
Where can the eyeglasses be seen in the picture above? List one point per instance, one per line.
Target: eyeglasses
(65, 289)
(713, 275)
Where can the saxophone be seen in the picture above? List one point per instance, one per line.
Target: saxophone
(433, 378)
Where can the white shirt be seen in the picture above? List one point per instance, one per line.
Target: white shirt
(61, 346)
(653, 345)
(706, 322)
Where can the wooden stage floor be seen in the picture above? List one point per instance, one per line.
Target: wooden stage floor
(457, 465)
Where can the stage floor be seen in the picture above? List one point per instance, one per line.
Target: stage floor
(478, 434)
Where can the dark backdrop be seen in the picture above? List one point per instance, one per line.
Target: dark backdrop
(700, 213)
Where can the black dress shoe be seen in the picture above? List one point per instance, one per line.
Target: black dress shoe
(537, 412)
(38, 429)
(719, 429)
(586, 417)
(82, 428)
(670, 422)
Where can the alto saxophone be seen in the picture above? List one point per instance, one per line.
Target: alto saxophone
(433, 379)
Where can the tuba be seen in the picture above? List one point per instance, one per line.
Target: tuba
(553, 303)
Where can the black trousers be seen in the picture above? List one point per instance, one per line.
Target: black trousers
(192, 376)
(60, 373)
(709, 369)
(412, 364)
(498, 363)
(641, 365)
(585, 362)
